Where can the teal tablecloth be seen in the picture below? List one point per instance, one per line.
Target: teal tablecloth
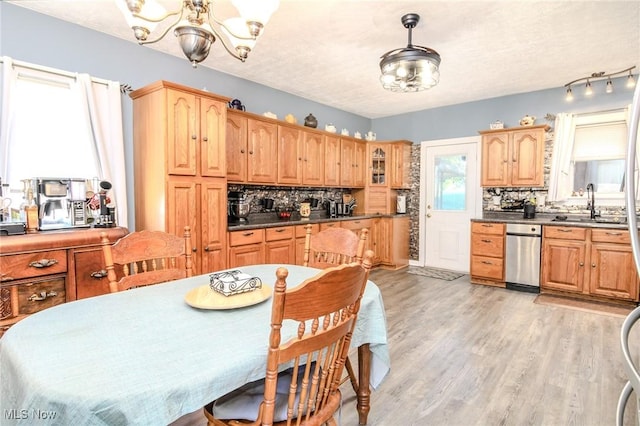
(145, 357)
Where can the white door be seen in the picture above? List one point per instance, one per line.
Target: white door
(450, 198)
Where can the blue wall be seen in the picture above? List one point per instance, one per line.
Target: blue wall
(466, 119)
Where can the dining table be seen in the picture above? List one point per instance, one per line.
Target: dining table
(150, 355)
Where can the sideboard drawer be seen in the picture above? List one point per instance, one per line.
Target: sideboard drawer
(28, 265)
(28, 297)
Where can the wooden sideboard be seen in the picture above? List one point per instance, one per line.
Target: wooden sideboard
(45, 269)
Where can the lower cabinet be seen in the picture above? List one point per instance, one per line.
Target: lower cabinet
(38, 271)
(487, 253)
(246, 248)
(280, 245)
(593, 262)
(285, 244)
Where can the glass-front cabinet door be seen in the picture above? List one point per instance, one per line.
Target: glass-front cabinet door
(378, 165)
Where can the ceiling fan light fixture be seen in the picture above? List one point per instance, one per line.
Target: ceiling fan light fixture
(410, 69)
(631, 82)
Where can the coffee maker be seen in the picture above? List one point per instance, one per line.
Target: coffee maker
(61, 203)
(238, 208)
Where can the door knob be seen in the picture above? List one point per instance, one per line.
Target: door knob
(428, 214)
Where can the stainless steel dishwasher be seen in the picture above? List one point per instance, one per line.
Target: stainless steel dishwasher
(522, 257)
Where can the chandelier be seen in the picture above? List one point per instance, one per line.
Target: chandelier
(597, 76)
(410, 69)
(196, 26)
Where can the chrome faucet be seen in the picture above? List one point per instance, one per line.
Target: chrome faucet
(591, 201)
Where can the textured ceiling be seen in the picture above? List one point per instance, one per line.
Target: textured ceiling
(328, 50)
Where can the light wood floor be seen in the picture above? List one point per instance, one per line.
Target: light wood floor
(464, 354)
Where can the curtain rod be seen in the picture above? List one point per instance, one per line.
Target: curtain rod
(124, 88)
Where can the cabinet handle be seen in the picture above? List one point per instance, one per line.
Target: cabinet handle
(247, 234)
(43, 263)
(5, 277)
(42, 296)
(486, 241)
(206, 139)
(280, 230)
(194, 137)
(194, 249)
(206, 248)
(564, 230)
(486, 262)
(99, 274)
(484, 225)
(251, 152)
(615, 234)
(593, 265)
(242, 151)
(581, 264)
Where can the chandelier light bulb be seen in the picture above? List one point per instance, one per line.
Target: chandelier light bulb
(631, 82)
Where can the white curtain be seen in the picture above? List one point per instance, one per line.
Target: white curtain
(561, 177)
(104, 114)
(8, 76)
(627, 119)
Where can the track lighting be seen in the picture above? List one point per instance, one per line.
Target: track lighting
(597, 76)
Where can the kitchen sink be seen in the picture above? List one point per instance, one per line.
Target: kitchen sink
(606, 220)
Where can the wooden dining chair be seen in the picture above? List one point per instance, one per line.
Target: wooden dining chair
(333, 246)
(147, 257)
(330, 247)
(323, 309)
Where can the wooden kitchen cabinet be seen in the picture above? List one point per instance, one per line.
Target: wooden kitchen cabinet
(313, 158)
(513, 157)
(332, 161)
(347, 162)
(246, 248)
(44, 269)
(379, 158)
(236, 147)
(593, 262)
(290, 155)
(280, 245)
(180, 167)
(360, 164)
(262, 146)
(400, 169)
(487, 253)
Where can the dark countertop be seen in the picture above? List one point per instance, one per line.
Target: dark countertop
(618, 222)
(270, 220)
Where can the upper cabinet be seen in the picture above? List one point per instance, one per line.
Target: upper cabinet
(262, 145)
(400, 169)
(331, 160)
(379, 158)
(195, 134)
(513, 157)
(236, 148)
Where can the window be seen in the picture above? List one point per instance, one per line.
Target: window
(598, 157)
(589, 148)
